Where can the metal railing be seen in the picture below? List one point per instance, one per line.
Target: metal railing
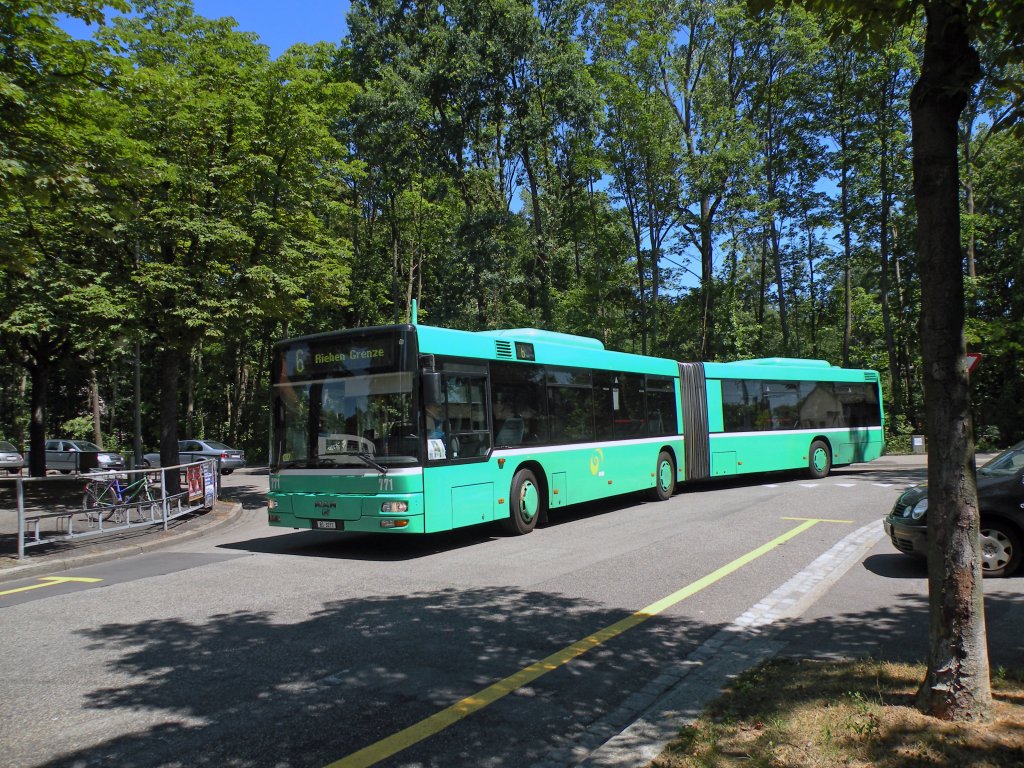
(104, 502)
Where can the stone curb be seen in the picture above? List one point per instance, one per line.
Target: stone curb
(223, 514)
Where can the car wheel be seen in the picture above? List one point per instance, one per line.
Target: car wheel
(819, 460)
(146, 464)
(1000, 548)
(526, 502)
(664, 477)
(226, 471)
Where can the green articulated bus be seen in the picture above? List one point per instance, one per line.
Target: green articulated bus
(416, 429)
(777, 414)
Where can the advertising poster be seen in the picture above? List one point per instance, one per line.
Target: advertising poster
(208, 484)
(194, 475)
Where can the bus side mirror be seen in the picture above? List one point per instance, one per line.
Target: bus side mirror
(433, 394)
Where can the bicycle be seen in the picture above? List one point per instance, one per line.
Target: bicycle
(109, 499)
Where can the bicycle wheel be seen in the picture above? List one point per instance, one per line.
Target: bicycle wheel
(144, 500)
(98, 502)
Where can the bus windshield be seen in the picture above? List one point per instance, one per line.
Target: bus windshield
(344, 403)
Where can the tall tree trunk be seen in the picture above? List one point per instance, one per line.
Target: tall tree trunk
(94, 405)
(883, 283)
(170, 371)
(539, 286)
(653, 238)
(190, 398)
(395, 249)
(241, 392)
(776, 244)
(39, 374)
(811, 292)
(956, 686)
(638, 248)
(968, 186)
(707, 281)
(762, 295)
(844, 188)
(905, 364)
(137, 406)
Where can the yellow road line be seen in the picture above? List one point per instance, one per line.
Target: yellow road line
(817, 519)
(50, 581)
(436, 723)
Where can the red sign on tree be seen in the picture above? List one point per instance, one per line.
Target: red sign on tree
(973, 358)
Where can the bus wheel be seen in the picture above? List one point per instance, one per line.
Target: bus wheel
(664, 477)
(820, 461)
(526, 502)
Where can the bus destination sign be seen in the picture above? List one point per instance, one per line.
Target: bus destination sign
(355, 355)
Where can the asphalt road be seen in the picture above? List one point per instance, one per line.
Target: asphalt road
(256, 646)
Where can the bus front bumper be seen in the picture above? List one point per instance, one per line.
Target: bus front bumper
(393, 513)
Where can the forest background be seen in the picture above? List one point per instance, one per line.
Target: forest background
(673, 177)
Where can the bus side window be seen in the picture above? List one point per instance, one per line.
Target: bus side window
(518, 391)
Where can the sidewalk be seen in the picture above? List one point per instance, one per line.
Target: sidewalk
(65, 555)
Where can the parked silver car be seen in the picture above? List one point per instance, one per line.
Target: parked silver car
(11, 460)
(197, 450)
(80, 456)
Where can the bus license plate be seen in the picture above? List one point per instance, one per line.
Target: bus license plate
(328, 525)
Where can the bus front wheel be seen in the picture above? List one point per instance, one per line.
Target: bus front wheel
(820, 460)
(664, 477)
(526, 502)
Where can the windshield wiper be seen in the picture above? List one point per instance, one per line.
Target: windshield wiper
(379, 467)
(361, 455)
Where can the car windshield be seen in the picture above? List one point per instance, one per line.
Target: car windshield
(216, 446)
(1009, 462)
(5, 446)
(85, 445)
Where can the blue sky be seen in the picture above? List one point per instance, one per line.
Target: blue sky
(278, 24)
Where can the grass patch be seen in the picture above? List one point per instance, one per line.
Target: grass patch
(854, 714)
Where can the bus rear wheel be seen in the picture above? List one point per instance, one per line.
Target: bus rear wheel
(526, 503)
(819, 462)
(664, 477)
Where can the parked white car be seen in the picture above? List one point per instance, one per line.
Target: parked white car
(11, 460)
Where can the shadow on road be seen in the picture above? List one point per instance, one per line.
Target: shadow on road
(250, 688)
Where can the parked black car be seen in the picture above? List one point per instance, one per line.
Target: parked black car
(1000, 501)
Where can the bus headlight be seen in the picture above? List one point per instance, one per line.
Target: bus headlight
(271, 503)
(394, 506)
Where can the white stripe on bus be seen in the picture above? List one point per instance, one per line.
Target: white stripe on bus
(524, 450)
(817, 431)
(334, 472)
